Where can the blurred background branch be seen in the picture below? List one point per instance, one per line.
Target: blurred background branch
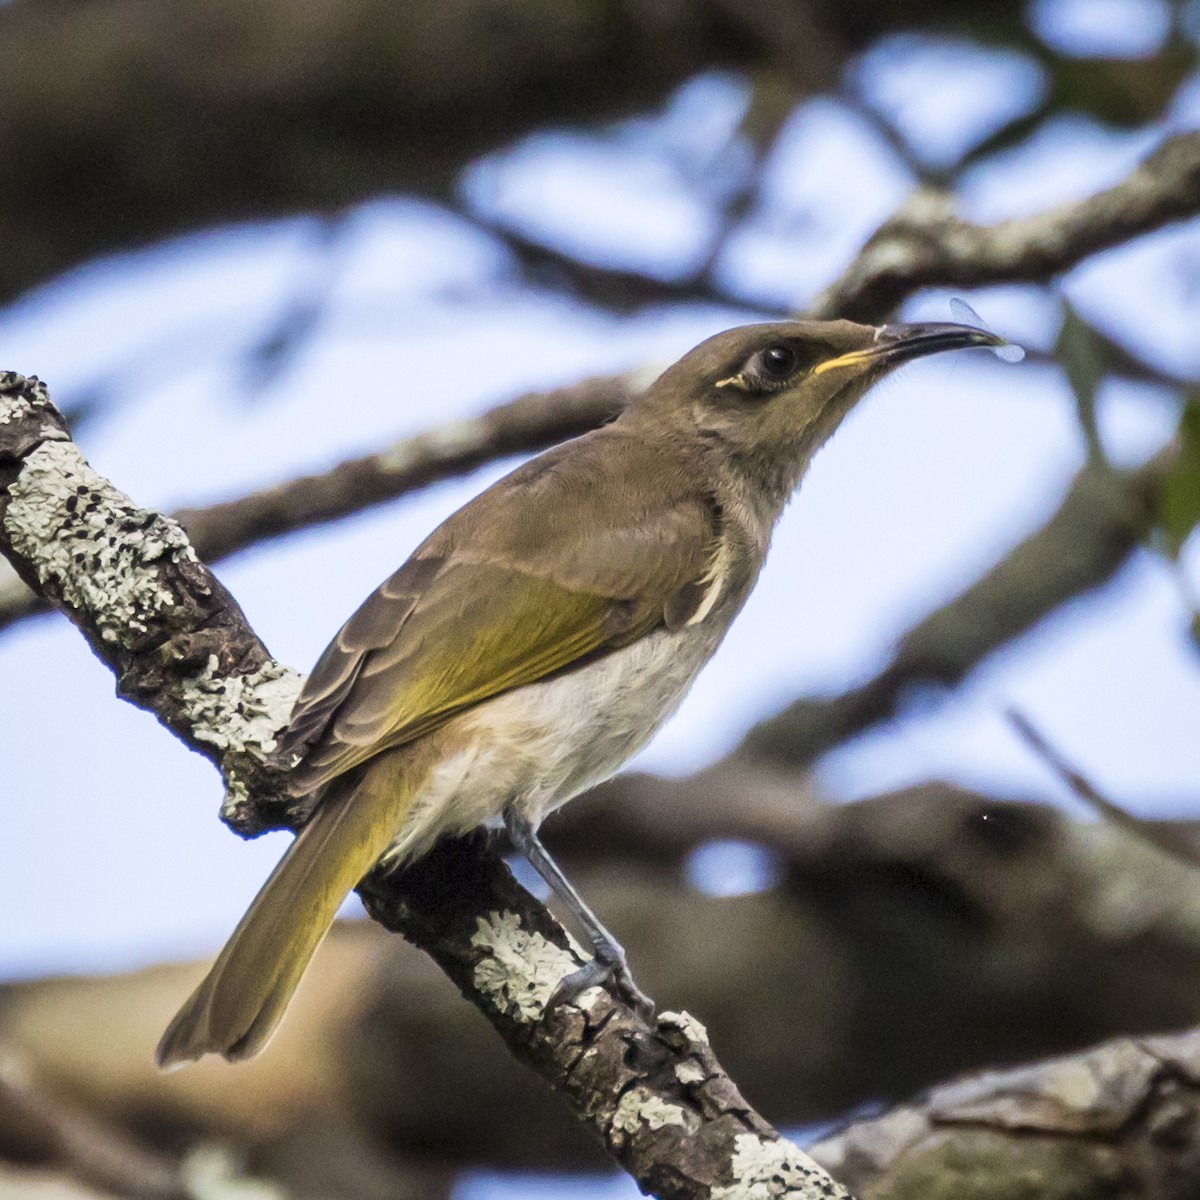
(920, 246)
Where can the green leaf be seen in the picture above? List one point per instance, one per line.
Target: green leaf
(1081, 354)
(1179, 497)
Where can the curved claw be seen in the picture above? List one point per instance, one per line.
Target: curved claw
(603, 969)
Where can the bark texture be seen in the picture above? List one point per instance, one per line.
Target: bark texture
(926, 245)
(1120, 1121)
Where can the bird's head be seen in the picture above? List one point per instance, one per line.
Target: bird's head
(765, 397)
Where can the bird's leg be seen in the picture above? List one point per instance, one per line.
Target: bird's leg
(610, 962)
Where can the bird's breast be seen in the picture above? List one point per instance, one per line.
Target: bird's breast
(538, 746)
(573, 731)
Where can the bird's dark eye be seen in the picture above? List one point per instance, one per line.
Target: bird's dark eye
(776, 363)
(772, 368)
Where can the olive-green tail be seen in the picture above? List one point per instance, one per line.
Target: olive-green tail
(238, 1005)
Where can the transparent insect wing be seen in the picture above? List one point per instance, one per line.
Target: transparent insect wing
(962, 312)
(966, 315)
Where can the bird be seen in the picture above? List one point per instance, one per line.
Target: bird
(537, 639)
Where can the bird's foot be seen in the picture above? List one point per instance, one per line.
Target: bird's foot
(608, 967)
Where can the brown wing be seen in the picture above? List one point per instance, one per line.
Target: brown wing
(564, 559)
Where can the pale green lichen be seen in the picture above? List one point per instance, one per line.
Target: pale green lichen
(13, 592)
(91, 542)
(687, 1025)
(639, 1106)
(236, 799)
(20, 397)
(1131, 887)
(447, 441)
(768, 1169)
(521, 969)
(240, 713)
(881, 1140)
(689, 1072)
(639, 378)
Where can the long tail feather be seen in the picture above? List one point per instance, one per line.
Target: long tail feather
(240, 1002)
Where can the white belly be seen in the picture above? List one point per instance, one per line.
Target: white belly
(538, 746)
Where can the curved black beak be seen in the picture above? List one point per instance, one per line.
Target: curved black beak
(895, 344)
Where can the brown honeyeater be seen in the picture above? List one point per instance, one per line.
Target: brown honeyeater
(538, 638)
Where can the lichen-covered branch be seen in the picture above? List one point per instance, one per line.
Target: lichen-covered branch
(925, 245)
(1120, 1121)
(655, 1095)
(176, 641)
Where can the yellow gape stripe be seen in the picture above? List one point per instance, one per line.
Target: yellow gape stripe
(845, 360)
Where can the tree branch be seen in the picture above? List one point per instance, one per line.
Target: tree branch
(175, 639)
(615, 289)
(42, 1129)
(1168, 836)
(655, 1096)
(522, 426)
(925, 245)
(219, 113)
(1120, 1121)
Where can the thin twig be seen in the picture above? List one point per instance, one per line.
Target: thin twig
(1163, 835)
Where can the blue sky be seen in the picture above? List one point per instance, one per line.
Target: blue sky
(936, 474)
